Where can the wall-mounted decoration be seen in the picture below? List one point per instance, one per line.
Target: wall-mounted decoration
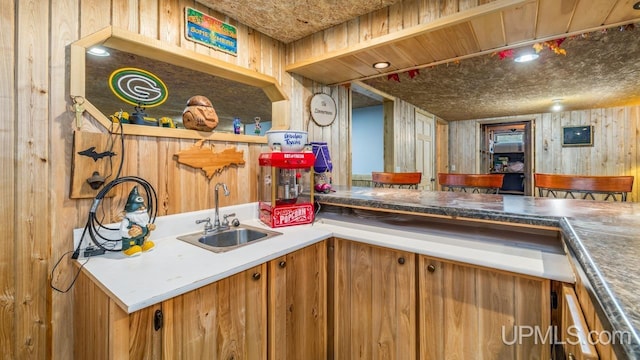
(138, 87)
(210, 162)
(93, 163)
(323, 109)
(209, 31)
(577, 135)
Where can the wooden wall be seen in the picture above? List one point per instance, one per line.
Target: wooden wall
(399, 16)
(36, 135)
(615, 151)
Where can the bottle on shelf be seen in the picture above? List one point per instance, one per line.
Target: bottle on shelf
(237, 126)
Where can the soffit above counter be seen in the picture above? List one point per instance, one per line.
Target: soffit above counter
(485, 29)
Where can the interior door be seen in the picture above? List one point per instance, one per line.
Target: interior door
(425, 149)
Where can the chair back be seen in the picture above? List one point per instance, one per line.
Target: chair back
(583, 186)
(474, 183)
(409, 180)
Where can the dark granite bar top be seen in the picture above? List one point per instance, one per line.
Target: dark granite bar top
(604, 237)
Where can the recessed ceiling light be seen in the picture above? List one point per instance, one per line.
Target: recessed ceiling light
(526, 57)
(557, 105)
(98, 51)
(381, 65)
(636, 6)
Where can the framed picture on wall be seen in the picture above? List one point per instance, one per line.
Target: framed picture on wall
(577, 135)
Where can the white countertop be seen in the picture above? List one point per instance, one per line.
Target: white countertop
(175, 267)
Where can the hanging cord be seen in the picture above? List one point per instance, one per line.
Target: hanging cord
(94, 226)
(110, 145)
(75, 277)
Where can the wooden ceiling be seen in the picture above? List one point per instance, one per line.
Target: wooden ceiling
(481, 30)
(459, 78)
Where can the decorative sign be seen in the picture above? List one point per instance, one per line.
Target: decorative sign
(209, 31)
(323, 109)
(279, 216)
(211, 163)
(577, 135)
(138, 87)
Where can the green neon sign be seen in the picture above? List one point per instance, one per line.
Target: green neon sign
(138, 87)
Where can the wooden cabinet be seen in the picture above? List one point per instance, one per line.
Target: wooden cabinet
(225, 320)
(581, 312)
(338, 299)
(575, 332)
(297, 308)
(373, 297)
(467, 312)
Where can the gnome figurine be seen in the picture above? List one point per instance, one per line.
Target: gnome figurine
(135, 227)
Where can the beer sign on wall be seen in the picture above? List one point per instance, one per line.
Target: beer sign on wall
(209, 31)
(138, 87)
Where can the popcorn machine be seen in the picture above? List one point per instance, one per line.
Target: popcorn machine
(283, 178)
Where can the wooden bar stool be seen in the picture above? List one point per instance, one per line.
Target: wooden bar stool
(552, 185)
(474, 183)
(408, 180)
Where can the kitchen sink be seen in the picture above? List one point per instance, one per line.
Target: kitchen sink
(226, 240)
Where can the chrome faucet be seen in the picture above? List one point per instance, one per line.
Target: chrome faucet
(216, 218)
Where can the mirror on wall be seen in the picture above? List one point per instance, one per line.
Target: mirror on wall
(234, 91)
(229, 99)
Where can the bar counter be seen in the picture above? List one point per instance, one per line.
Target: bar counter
(602, 237)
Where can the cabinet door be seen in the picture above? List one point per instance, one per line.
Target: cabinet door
(373, 299)
(575, 333)
(467, 312)
(224, 320)
(298, 304)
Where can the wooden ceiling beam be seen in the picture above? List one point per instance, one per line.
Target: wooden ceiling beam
(385, 44)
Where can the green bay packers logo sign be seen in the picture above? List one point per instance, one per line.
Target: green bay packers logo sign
(138, 87)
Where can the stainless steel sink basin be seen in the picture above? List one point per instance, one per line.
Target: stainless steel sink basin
(230, 239)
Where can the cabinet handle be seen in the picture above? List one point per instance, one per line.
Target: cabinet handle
(282, 264)
(401, 260)
(256, 276)
(431, 268)
(571, 356)
(158, 320)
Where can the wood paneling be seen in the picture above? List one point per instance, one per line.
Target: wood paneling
(374, 302)
(32, 161)
(466, 312)
(614, 151)
(8, 261)
(449, 30)
(36, 139)
(223, 320)
(297, 307)
(63, 19)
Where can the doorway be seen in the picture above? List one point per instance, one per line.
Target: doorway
(367, 129)
(425, 148)
(507, 149)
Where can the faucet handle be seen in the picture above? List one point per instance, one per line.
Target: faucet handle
(225, 221)
(207, 225)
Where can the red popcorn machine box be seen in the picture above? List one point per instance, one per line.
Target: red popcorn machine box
(283, 177)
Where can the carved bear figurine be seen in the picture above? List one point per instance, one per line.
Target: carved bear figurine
(199, 114)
